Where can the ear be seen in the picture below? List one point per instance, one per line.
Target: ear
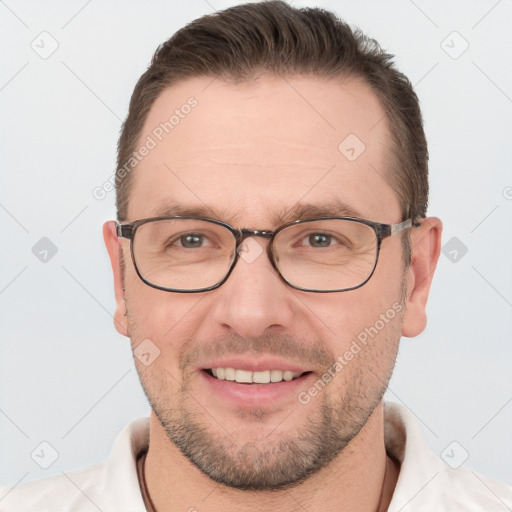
(113, 247)
(426, 247)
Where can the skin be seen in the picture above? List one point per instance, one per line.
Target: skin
(246, 151)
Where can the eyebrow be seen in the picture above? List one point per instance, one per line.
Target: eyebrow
(300, 211)
(333, 208)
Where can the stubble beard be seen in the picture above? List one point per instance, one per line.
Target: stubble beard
(286, 457)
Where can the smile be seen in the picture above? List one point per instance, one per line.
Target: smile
(249, 377)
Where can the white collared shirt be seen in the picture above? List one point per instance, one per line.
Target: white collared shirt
(425, 483)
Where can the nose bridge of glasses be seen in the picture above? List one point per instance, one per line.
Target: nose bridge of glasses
(250, 251)
(243, 233)
(247, 233)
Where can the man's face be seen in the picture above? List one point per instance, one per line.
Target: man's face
(249, 153)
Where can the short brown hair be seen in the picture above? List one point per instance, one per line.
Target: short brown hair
(243, 41)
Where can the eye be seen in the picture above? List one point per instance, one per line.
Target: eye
(190, 241)
(319, 240)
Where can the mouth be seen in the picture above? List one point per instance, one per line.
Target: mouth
(270, 376)
(252, 380)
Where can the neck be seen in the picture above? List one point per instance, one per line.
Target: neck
(361, 478)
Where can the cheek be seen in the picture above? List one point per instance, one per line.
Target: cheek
(156, 313)
(157, 339)
(160, 326)
(340, 317)
(368, 314)
(368, 354)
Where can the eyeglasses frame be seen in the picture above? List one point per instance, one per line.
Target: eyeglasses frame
(382, 231)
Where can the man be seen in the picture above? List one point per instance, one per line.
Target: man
(271, 248)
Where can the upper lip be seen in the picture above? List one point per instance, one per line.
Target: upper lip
(253, 365)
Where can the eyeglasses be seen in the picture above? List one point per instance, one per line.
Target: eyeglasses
(191, 254)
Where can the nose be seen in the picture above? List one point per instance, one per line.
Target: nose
(254, 299)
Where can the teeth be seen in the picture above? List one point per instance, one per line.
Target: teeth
(276, 376)
(287, 375)
(248, 377)
(243, 376)
(261, 377)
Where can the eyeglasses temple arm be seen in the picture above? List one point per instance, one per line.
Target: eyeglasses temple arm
(396, 228)
(124, 230)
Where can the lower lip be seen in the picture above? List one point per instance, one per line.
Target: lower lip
(255, 395)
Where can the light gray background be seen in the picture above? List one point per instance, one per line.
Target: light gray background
(67, 377)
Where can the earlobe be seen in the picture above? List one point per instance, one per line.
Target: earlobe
(113, 248)
(426, 247)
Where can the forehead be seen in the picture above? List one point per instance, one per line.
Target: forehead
(249, 151)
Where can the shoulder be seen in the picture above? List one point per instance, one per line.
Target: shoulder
(63, 492)
(426, 482)
(474, 491)
(109, 486)
(456, 490)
